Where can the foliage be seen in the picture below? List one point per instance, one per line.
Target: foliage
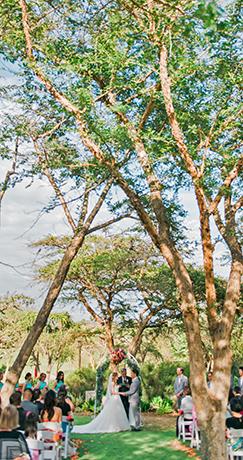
(161, 405)
(87, 406)
(79, 381)
(159, 380)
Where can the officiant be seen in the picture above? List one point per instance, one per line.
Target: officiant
(124, 383)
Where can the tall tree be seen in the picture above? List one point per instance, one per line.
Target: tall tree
(153, 92)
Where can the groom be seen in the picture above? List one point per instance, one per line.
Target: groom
(134, 401)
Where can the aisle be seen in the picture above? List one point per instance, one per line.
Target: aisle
(149, 444)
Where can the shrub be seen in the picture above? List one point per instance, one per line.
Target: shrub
(162, 405)
(88, 406)
(159, 380)
(145, 406)
(80, 381)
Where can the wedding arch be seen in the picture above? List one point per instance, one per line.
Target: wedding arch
(116, 357)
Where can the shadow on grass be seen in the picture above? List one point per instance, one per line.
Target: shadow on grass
(144, 445)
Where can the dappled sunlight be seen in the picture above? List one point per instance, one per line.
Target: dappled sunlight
(153, 444)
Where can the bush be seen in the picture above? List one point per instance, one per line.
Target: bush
(145, 406)
(159, 380)
(162, 405)
(88, 406)
(80, 381)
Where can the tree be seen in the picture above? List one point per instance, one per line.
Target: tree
(153, 92)
(121, 282)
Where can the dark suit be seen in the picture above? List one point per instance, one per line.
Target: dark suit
(124, 385)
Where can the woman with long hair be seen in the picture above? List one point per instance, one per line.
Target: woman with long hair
(50, 412)
(59, 381)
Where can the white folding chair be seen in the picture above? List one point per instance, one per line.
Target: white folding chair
(185, 428)
(195, 440)
(51, 451)
(66, 436)
(235, 436)
(34, 444)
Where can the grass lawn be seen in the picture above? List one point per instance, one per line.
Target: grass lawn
(150, 444)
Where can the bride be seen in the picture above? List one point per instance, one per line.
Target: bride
(112, 417)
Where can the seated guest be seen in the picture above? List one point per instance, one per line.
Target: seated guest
(50, 412)
(9, 421)
(236, 420)
(15, 400)
(185, 411)
(42, 382)
(187, 404)
(38, 400)
(62, 403)
(31, 433)
(27, 405)
(28, 384)
(237, 392)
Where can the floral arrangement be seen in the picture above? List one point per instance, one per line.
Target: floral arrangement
(117, 356)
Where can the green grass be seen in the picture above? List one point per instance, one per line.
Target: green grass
(149, 444)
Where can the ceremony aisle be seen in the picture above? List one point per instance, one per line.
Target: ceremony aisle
(152, 443)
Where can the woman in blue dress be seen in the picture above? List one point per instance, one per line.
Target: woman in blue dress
(28, 385)
(59, 381)
(42, 382)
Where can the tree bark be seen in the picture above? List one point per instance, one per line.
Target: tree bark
(213, 444)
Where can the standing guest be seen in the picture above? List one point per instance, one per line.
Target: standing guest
(181, 382)
(27, 405)
(1, 383)
(15, 400)
(236, 420)
(50, 412)
(124, 383)
(42, 382)
(59, 381)
(240, 380)
(9, 421)
(38, 400)
(209, 379)
(28, 382)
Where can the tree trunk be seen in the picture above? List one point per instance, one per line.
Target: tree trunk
(49, 366)
(15, 371)
(213, 445)
(109, 339)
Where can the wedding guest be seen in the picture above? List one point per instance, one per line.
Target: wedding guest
(15, 400)
(30, 433)
(209, 379)
(181, 382)
(186, 408)
(42, 382)
(38, 399)
(62, 401)
(59, 381)
(236, 420)
(27, 405)
(240, 380)
(28, 382)
(50, 412)
(1, 383)
(9, 421)
(124, 383)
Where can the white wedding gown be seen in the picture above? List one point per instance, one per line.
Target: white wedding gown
(112, 417)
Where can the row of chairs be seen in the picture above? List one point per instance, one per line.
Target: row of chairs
(188, 431)
(47, 447)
